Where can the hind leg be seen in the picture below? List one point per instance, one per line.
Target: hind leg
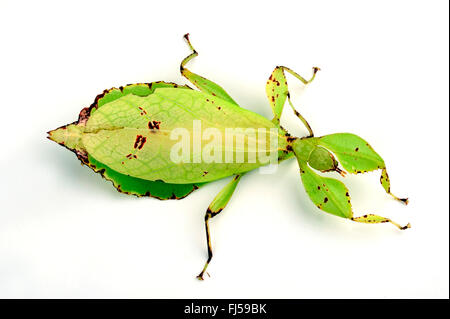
(216, 206)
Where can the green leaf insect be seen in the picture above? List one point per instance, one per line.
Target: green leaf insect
(126, 135)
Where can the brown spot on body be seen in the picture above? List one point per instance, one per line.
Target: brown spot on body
(154, 125)
(290, 138)
(84, 116)
(143, 140)
(325, 199)
(82, 156)
(357, 149)
(142, 110)
(286, 132)
(138, 141)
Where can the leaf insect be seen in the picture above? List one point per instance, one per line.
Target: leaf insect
(126, 136)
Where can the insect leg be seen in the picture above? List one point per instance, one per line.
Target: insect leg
(375, 219)
(332, 196)
(277, 92)
(216, 206)
(357, 156)
(386, 183)
(200, 82)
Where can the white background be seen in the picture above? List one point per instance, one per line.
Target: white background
(65, 232)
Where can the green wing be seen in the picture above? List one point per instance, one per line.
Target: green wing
(141, 187)
(130, 130)
(122, 182)
(133, 135)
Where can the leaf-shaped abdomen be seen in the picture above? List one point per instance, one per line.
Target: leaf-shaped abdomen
(132, 135)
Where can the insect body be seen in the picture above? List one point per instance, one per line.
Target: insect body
(131, 135)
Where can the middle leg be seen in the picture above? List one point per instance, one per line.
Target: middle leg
(216, 206)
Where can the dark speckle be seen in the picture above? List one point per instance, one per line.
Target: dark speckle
(290, 139)
(154, 125)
